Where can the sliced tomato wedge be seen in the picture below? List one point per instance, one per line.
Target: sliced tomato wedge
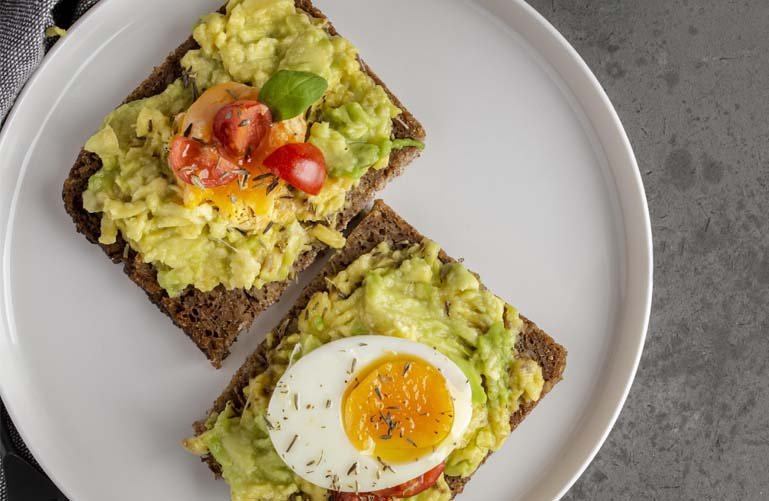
(299, 164)
(414, 486)
(358, 496)
(240, 127)
(200, 164)
(404, 490)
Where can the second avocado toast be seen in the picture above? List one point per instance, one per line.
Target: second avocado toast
(213, 318)
(511, 393)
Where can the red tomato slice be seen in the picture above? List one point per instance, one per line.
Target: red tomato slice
(414, 486)
(299, 164)
(359, 496)
(404, 490)
(200, 164)
(240, 127)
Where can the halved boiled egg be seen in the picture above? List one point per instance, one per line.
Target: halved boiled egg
(367, 413)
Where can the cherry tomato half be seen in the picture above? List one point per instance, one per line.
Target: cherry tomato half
(189, 158)
(404, 490)
(240, 127)
(299, 164)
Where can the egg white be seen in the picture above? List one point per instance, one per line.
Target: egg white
(306, 420)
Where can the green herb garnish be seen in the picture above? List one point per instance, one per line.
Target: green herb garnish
(293, 441)
(290, 93)
(272, 185)
(263, 176)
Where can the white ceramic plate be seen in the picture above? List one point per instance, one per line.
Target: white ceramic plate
(528, 174)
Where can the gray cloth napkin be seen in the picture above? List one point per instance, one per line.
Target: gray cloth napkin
(23, 42)
(18, 443)
(22, 46)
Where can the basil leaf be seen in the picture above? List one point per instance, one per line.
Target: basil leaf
(289, 93)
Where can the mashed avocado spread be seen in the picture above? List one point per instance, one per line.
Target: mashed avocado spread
(406, 292)
(190, 239)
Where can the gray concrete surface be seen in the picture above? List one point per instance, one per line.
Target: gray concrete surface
(690, 80)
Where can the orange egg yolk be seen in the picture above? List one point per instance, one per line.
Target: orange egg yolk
(398, 409)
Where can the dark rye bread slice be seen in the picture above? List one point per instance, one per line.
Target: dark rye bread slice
(379, 224)
(214, 319)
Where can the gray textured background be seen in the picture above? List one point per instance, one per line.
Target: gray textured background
(690, 81)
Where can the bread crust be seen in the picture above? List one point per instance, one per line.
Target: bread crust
(214, 319)
(379, 224)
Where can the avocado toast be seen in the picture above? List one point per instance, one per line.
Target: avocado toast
(213, 314)
(380, 249)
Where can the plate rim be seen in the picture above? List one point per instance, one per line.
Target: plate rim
(647, 255)
(539, 26)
